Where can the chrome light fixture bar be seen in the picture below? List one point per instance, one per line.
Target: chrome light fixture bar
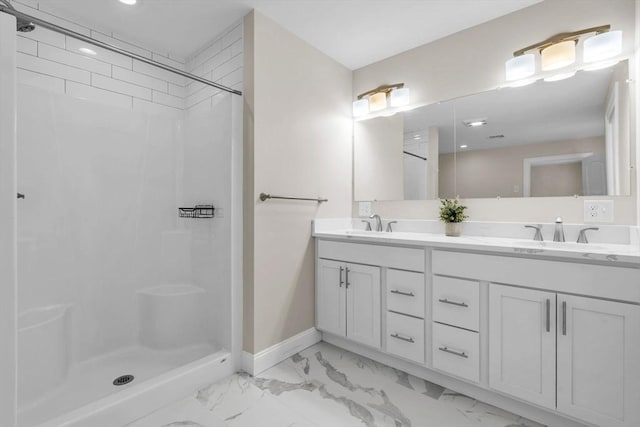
(395, 95)
(559, 51)
(58, 29)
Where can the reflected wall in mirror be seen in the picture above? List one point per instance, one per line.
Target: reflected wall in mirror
(562, 138)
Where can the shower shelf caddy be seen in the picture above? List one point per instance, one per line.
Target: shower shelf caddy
(199, 211)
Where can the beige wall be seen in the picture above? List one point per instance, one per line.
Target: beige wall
(299, 144)
(472, 61)
(556, 180)
(499, 171)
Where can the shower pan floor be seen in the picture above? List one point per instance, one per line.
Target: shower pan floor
(93, 379)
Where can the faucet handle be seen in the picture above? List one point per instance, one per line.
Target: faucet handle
(582, 237)
(368, 228)
(389, 229)
(538, 236)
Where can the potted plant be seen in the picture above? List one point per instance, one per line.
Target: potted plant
(452, 214)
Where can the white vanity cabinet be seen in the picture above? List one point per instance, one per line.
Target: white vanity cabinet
(349, 279)
(348, 301)
(599, 360)
(522, 343)
(596, 353)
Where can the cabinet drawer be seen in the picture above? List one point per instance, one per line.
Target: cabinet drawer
(405, 337)
(405, 292)
(456, 351)
(456, 302)
(384, 256)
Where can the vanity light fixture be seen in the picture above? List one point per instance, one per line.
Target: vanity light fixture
(378, 99)
(129, 2)
(464, 146)
(559, 51)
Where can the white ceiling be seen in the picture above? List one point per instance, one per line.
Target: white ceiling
(353, 32)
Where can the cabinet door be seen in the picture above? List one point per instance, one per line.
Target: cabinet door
(331, 308)
(522, 343)
(599, 361)
(363, 304)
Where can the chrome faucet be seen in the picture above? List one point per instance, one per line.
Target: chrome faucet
(582, 237)
(389, 229)
(378, 220)
(558, 233)
(368, 225)
(538, 236)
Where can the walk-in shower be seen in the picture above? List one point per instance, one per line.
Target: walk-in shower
(123, 300)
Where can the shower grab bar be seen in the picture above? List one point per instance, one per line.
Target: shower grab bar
(107, 46)
(265, 196)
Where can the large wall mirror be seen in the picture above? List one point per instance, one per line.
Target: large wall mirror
(562, 138)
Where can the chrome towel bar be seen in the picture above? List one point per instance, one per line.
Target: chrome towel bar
(265, 196)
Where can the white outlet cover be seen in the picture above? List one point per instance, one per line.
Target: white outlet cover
(598, 211)
(364, 209)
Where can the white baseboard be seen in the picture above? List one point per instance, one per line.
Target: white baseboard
(255, 364)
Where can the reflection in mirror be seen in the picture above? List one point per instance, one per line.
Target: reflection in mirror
(562, 138)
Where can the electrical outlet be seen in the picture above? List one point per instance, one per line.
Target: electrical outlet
(598, 211)
(364, 209)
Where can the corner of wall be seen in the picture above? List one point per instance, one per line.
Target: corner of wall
(248, 184)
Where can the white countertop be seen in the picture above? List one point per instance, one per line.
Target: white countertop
(601, 252)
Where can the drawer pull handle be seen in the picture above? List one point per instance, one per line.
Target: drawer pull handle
(406, 294)
(399, 337)
(459, 304)
(341, 281)
(455, 353)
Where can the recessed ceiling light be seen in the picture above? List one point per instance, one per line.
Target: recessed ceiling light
(464, 146)
(129, 2)
(416, 137)
(472, 123)
(88, 51)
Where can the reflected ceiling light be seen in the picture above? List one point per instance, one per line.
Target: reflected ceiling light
(560, 76)
(559, 52)
(88, 51)
(464, 146)
(129, 2)
(472, 123)
(378, 99)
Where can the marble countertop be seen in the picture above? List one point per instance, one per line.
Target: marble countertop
(602, 252)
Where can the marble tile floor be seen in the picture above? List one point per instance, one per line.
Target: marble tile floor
(325, 386)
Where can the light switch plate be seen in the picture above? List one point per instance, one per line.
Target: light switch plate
(364, 209)
(598, 211)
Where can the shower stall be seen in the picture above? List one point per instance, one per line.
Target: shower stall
(121, 229)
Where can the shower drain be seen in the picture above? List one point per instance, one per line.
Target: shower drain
(122, 380)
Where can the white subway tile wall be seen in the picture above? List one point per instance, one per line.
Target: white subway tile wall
(54, 62)
(220, 61)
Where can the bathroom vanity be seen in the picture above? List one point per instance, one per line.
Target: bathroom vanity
(549, 331)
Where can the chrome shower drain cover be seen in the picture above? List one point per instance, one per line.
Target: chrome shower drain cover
(122, 380)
